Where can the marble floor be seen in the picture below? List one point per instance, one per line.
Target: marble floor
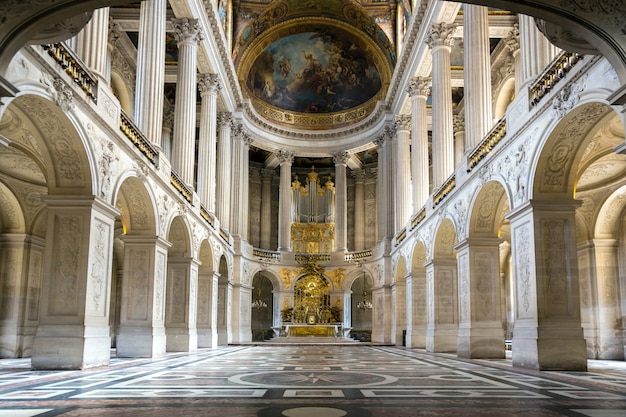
(311, 381)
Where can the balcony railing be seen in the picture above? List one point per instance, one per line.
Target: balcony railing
(560, 66)
(208, 217)
(138, 139)
(357, 256)
(444, 190)
(401, 236)
(74, 67)
(181, 187)
(497, 133)
(418, 218)
(266, 255)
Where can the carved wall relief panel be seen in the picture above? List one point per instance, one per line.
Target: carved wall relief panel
(139, 284)
(67, 254)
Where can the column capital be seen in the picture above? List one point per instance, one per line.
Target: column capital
(387, 135)
(225, 120)
(168, 119)
(115, 32)
(187, 30)
(440, 34)
(267, 174)
(512, 39)
(359, 175)
(285, 157)
(240, 132)
(403, 122)
(341, 158)
(209, 83)
(458, 121)
(419, 86)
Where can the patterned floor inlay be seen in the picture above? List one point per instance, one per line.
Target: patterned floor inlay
(303, 381)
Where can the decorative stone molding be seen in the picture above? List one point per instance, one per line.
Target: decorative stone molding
(566, 99)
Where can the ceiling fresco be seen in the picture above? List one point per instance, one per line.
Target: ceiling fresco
(314, 65)
(315, 72)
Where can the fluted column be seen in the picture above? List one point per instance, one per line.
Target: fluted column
(209, 86)
(403, 171)
(284, 208)
(222, 182)
(266, 207)
(439, 40)
(166, 135)
(188, 34)
(150, 69)
(384, 185)
(419, 88)
(341, 204)
(477, 75)
(91, 43)
(513, 43)
(359, 208)
(239, 201)
(536, 51)
(458, 121)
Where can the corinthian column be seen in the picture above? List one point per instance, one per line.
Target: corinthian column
(513, 44)
(209, 86)
(284, 208)
(222, 188)
(535, 49)
(477, 74)
(239, 194)
(91, 43)
(419, 89)
(341, 204)
(266, 207)
(440, 37)
(188, 34)
(359, 208)
(403, 170)
(150, 70)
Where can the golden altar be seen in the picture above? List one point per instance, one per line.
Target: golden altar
(312, 330)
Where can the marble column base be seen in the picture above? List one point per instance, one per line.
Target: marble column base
(443, 338)
(550, 348)
(141, 342)
(481, 342)
(207, 338)
(71, 347)
(181, 339)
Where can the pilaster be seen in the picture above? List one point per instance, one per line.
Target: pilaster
(223, 175)
(73, 331)
(284, 208)
(547, 333)
(341, 204)
(181, 305)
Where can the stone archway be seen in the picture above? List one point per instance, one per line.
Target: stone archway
(224, 304)
(399, 301)
(481, 333)
(417, 299)
(262, 311)
(182, 288)
(442, 284)
(207, 298)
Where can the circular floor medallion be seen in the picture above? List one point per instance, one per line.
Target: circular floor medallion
(314, 412)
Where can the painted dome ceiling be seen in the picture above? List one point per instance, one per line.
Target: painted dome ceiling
(314, 64)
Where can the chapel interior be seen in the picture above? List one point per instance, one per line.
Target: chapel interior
(186, 174)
